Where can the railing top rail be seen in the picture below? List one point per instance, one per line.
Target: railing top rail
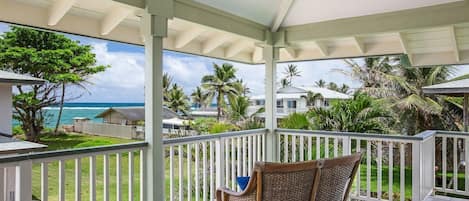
(182, 140)
(418, 137)
(453, 133)
(67, 152)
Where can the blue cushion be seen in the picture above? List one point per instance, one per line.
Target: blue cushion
(243, 182)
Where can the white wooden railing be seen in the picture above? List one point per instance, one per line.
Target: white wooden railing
(29, 168)
(198, 165)
(394, 167)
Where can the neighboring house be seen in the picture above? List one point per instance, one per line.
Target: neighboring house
(9, 145)
(293, 99)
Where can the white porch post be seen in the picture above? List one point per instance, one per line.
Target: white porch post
(270, 54)
(154, 29)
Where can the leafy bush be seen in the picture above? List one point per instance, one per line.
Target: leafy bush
(295, 121)
(17, 130)
(203, 125)
(221, 127)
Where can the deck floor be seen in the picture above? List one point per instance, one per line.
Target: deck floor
(443, 198)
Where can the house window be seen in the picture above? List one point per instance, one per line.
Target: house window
(260, 102)
(291, 104)
(326, 103)
(279, 104)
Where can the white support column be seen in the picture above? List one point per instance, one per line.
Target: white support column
(416, 171)
(270, 56)
(154, 29)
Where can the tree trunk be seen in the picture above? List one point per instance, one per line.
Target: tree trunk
(62, 99)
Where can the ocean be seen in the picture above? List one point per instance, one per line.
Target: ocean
(72, 110)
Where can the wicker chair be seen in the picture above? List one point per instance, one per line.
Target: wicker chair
(320, 180)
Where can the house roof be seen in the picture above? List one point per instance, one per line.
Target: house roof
(453, 88)
(10, 145)
(136, 113)
(18, 79)
(304, 29)
(298, 92)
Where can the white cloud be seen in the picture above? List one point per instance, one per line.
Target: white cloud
(186, 71)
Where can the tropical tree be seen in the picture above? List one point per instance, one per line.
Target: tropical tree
(47, 55)
(344, 89)
(333, 86)
(199, 97)
(177, 100)
(221, 85)
(285, 83)
(320, 83)
(360, 114)
(312, 98)
(167, 82)
(242, 87)
(291, 72)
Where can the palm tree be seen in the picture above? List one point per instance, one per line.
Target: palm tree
(177, 100)
(242, 87)
(199, 97)
(239, 113)
(285, 83)
(167, 81)
(360, 114)
(320, 83)
(221, 85)
(290, 72)
(344, 89)
(312, 98)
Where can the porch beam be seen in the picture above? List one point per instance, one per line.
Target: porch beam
(270, 55)
(236, 48)
(113, 18)
(454, 43)
(418, 18)
(187, 36)
(211, 44)
(58, 10)
(359, 44)
(282, 12)
(291, 52)
(154, 29)
(322, 47)
(257, 54)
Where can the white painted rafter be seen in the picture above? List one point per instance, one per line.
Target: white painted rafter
(211, 44)
(236, 48)
(186, 37)
(292, 52)
(322, 48)
(454, 43)
(282, 12)
(359, 44)
(58, 10)
(257, 54)
(113, 18)
(405, 47)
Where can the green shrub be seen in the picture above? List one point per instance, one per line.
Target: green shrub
(221, 127)
(295, 121)
(17, 130)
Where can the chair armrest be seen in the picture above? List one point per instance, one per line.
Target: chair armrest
(225, 194)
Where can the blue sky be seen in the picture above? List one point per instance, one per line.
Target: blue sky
(124, 81)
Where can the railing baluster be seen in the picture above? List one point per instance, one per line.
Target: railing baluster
(220, 162)
(390, 170)
(285, 150)
(302, 148)
(233, 164)
(254, 150)
(310, 148)
(326, 147)
(466, 172)
(77, 179)
(444, 161)
(118, 177)
(189, 171)
(23, 178)
(293, 148)
(318, 148)
(368, 169)
(142, 175)
(197, 167)
(380, 168)
(336, 147)
(259, 148)
(180, 173)
(243, 157)
(212, 171)
(359, 172)
(455, 164)
(249, 155)
(227, 162)
(61, 180)
(264, 147)
(92, 178)
(171, 173)
(204, 171)
(106, 177)
(279, 147)
(402, 171)
(131, 176)
(44, 182)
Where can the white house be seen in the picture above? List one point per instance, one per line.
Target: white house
(293, 99)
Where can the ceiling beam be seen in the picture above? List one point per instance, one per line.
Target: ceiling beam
(359, 44)
(58, 10)
(257, 54)
(454, 43)
(405, 47)
(211, 44)
(291, 52)
(236, 48)
(392, 22)
(186, 37)
(282, 12)
(113, 18)
(322, 48)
